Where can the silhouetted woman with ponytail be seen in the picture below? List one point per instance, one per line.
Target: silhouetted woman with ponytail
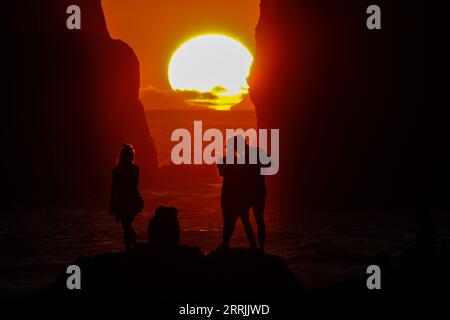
(126, 201)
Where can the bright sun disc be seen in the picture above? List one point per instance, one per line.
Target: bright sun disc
(211, 71)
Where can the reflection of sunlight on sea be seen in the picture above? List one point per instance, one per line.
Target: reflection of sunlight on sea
(163, 122)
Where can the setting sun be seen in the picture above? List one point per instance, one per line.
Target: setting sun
(211, 71)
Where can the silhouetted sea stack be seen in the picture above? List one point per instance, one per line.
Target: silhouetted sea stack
(75, 98)
(185, 273)
(344, 98)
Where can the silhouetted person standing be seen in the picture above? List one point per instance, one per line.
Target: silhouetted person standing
(235, 200)
(126, 201)
(257, 190)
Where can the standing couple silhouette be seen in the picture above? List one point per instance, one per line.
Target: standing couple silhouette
(243, 188)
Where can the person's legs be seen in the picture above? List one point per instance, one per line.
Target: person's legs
(229, 223)
(258, 212)
(245, 218)
(126, 235)
(129, 235)
(132, 236)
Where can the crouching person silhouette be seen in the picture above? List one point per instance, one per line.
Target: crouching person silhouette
(126, 201)
(164, 230)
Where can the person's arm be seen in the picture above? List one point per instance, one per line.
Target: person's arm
(137, 177)
(112, 198)
(267, 165)
(221, 167)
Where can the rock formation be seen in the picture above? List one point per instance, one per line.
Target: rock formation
(345, 99)
(72, 102)
(184, 273)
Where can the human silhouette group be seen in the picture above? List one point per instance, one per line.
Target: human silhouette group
(243, 190)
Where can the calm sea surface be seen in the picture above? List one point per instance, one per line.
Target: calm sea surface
(321, 248)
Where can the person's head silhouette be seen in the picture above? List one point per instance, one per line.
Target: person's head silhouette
(126, 155)
(236, 145)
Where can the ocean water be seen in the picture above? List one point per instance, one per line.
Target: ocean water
(163, 122)
(322, 248)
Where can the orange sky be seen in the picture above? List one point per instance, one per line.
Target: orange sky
(156, 28)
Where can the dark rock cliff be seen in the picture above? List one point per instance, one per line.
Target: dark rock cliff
(345, 99)
(184, 273)
(72, 102)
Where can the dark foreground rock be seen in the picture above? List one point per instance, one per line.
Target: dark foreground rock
(236, 275)
(184, 273)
